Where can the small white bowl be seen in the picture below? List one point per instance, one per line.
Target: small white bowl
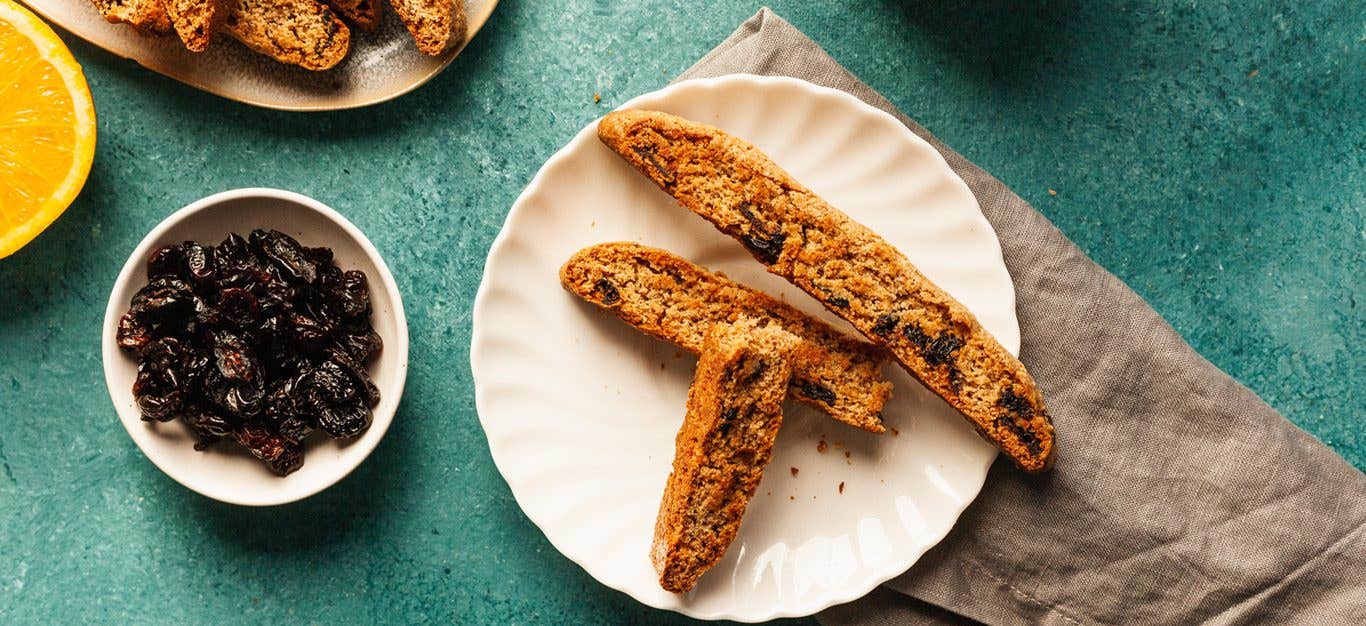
(226, 471)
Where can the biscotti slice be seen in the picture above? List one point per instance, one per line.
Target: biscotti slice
(668, 297)
(735, 407)
(849, 268)
(434, 24)
(147, 16)
(298, 32)
(363, 14)
(195, 21)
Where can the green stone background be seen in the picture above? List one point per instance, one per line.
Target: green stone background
(1210, 156)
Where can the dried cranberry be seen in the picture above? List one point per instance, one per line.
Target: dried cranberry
(283, 401)
(285, 254)
(257, 339)
(281, 454)
(815, 391)
(296, 428)
(234, 358)
(884, 325)
(159, 386)
(208, 427)
(359, 378)
(165, 261)
(332, 383)
(206, 314)
(609, 292)
(240, 399)
(163, 298)
(344, 420)
(198, 262)
(360, 346)
(768, 248)
(352, 296)
(164, 354)
(232, 254)
(132, 334)
(320, 256)
(160, 407)
(195, 366)
(239, 307)
(309, 332)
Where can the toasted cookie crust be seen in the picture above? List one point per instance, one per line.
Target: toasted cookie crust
(668, 297)
(733, 415)
(849, 268)
(298, 32)
(147, 16)
(362, 14)
(434, 24)
(195, 21)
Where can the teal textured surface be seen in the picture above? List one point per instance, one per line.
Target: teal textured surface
(1212, 158)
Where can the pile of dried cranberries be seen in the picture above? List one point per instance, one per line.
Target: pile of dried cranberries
(258, 339)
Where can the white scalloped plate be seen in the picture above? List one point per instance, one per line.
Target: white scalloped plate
(581, 410)
(382, 65)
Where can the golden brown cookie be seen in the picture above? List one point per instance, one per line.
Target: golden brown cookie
(434, 24)
(668, 297)
(849, 268)
(195, 21)
(147, 16)
(735, 407)
(298, 32)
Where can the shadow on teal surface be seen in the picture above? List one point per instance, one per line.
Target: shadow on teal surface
(1006, 43)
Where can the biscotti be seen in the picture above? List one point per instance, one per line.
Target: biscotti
(298, 32)
(147, 16)
(195, 21)
(850, 269)
(363, 14)
(733, 414)
(434, 24)
(668, 297)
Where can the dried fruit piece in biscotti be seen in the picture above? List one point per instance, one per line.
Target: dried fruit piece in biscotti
(668, 297)
(849, 268)
(363, 14)
(195, 21)
(147, 16)
(434, 24)
(298, 32)
(735, 407)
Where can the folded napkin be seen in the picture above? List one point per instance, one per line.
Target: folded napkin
(1178, 497)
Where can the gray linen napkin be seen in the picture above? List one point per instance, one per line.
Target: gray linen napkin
(1178, 497)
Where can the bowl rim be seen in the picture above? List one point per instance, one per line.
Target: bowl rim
(398, 346)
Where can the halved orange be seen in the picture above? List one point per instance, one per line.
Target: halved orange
(47, 127)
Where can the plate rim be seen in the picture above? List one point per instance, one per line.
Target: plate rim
(475, 24)
(478, 344)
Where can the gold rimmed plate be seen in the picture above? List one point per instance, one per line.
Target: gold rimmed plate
(382, 65)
